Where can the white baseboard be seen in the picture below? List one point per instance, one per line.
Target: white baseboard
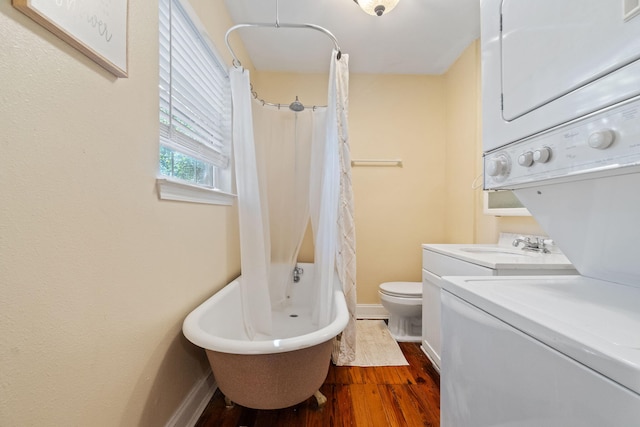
(193, 405)
(371, 311)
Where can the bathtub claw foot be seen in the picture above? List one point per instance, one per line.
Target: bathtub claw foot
(228, 403)
(320, 399)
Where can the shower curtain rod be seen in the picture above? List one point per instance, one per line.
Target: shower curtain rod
(236, 61)
(264, 103)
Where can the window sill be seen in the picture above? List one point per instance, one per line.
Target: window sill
(169, 189)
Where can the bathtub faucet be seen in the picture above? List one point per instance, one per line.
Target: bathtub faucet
(297, 272)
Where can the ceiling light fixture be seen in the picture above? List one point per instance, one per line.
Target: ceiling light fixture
(376, 7)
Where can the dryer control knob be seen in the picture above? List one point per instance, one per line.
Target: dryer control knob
(542, 155)
(525, 159)
(601, 139)
(498, 166)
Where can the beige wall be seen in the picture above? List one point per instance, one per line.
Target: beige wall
(461, 88)
(465, 220)
(96, 273)
(396, 209)
(433, 124)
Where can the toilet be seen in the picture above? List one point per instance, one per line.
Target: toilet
(403, 301)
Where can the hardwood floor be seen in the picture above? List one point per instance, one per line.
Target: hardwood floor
(361, 397)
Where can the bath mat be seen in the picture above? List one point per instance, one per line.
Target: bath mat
(375, 346)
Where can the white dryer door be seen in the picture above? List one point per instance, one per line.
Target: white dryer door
(551, 48)
(547, 62)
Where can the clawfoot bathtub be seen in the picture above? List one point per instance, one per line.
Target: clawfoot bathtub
(270, 373)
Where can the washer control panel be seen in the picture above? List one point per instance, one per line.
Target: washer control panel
(606, 140)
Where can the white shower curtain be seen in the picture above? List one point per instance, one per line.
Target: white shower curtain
(345, 350)
(252, 212)
(332, 208)
(283, 148)
(270, 161)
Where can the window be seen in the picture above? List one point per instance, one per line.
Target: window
(195, 111)
(503, 203)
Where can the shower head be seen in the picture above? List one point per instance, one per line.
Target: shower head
(296, 106)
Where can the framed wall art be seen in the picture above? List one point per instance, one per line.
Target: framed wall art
(97, 28)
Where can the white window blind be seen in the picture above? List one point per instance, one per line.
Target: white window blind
(195, 98)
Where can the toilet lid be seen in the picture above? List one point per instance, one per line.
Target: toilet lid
(402, 289)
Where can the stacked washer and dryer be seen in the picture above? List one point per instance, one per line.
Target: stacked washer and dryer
(561, 128)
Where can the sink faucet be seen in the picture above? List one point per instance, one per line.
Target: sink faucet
(537, 245)
(518, 240)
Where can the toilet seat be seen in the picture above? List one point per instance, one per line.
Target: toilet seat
(402, 289)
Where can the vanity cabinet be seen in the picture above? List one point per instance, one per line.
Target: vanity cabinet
(443, 260)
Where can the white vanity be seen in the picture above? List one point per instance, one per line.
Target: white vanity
(502, 259)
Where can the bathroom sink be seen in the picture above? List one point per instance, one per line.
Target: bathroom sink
(498, 251)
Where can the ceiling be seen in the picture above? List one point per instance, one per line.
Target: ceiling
(417, 37)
